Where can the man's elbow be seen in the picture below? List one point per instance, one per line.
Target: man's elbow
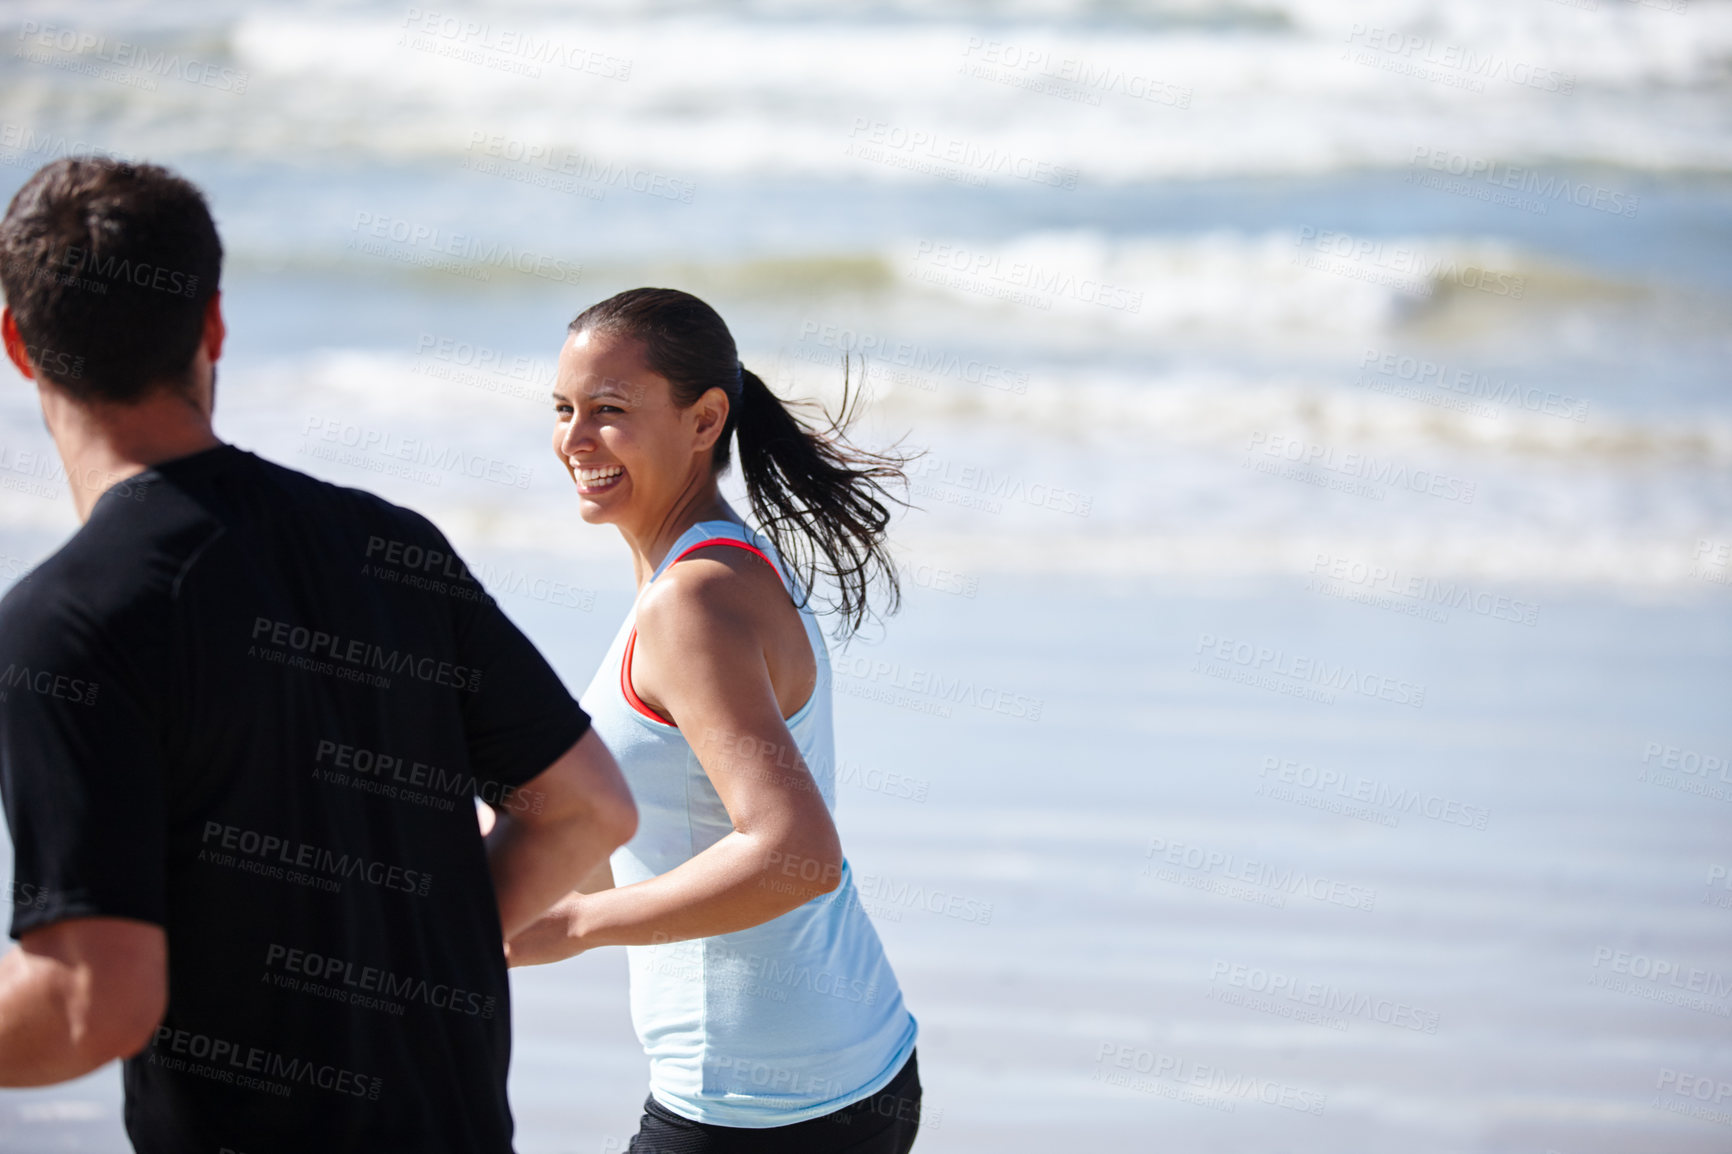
(586, 788)
(127, 1031)
(615, 817)
(107, 980)
(612, 810)
(126, 1021)
(116, 1025)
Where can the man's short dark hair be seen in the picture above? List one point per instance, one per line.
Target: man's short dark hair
(108, 267)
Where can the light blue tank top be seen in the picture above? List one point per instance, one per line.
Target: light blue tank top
(776, 1024)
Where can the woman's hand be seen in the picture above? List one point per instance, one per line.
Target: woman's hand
(553, 937)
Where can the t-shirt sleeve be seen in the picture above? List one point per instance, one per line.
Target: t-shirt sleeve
(520, 718)
(80, 768)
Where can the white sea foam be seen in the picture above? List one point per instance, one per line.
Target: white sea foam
(1134, 369)
(1095, 473)
(1303, 86)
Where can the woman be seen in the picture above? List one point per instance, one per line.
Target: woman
(759, 989)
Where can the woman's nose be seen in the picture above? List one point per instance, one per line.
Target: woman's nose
(571, 438)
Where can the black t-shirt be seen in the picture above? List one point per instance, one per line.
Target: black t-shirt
(254, 709)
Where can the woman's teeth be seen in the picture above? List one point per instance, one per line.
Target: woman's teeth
(602, 477)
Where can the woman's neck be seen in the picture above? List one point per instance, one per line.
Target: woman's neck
(649, 546)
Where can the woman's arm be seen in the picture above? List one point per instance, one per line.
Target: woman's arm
(701, 652)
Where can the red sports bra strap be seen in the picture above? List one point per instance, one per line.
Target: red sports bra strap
(748, 547)
(625, 685)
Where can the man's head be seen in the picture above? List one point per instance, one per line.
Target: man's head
(109, 270)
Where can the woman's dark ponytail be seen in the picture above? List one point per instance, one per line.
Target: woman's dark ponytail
(824, 503)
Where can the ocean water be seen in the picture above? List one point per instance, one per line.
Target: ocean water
(1309, 709)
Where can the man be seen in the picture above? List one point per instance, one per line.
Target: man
(241, 735)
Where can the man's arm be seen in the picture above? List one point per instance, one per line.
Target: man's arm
(562, 824)
(78, 994)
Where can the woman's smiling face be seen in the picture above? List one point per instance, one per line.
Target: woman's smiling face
(630, 451)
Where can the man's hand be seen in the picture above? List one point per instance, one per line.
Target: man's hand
(78, 994)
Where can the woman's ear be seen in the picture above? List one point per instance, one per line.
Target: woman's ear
(710, 413)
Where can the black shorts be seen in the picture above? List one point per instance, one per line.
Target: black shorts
(884, 1123)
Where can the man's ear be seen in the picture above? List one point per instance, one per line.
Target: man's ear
(711, 411)
(15, 350)
(215, 331)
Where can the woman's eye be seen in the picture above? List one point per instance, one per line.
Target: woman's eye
(608, 409)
